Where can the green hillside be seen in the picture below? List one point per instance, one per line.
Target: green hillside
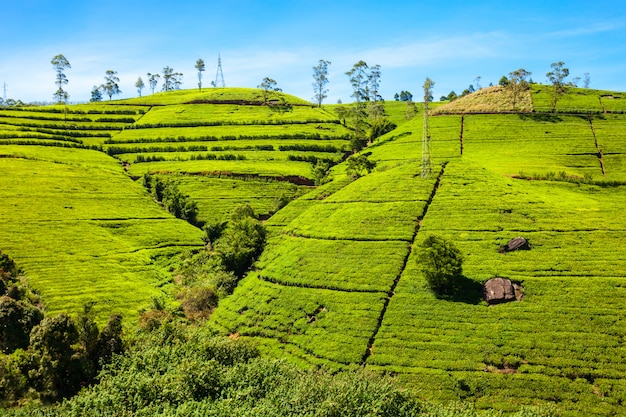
(86, 231)
(338, 284)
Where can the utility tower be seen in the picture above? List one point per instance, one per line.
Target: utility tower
(427, 167)
(219, 76)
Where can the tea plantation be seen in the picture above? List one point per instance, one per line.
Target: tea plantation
(339, 283)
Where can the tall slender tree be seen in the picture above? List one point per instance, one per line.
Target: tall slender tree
(111, 84)
(557, 77)
(375, 105)
(200, 67)
(140, 85)
(168, 79)
(153, 80)
(358, 76)
(586, 80)
(60, 64)
(320, 77)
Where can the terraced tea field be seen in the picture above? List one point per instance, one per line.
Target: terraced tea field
(83, 231)
(94, 235)
(339, 284)
(354, 242)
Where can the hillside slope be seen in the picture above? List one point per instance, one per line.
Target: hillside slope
(94, 235)
(339, 284)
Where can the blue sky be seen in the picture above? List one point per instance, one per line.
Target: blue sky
(452, 42)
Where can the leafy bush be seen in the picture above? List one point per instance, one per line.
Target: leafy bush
(381, 126)
(178, 371)
(241, 242)
(198, 302)
(360, 165)
(441, 263)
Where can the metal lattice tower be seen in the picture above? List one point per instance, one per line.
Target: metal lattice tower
(219, 76)
(427, 167)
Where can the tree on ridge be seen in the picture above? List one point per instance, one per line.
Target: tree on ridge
(96, 94)
(153, 80)
(60, 63)
(140, 85)
(320, 77)
(111, 86)
(171, 80)
(200, 67)
(518, 84)
(557, 77)
(267, 86)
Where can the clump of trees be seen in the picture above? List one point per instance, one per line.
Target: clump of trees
(407, 97)
(367, 114)
(171, 80)
(183, 371)
(364, 82)
(241, 241)
(47, 358)
(320, 172)
(403, 96)
(177, 370)
(451, 96)
(9, 102)
(166, 193)
(205, 276)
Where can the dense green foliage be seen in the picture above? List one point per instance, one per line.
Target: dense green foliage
(441, 263)
(177, 371)
(167, 193)
(48, 358)
(241, 242)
